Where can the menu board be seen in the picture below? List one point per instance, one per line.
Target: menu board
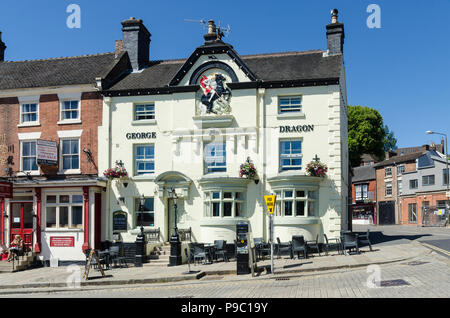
(119, 221)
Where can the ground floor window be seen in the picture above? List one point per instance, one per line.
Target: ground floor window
(296, 202)
(412, 212)
(224, 204)
(145, 215)
(64, 211)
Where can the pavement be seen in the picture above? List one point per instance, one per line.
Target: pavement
(69, 277)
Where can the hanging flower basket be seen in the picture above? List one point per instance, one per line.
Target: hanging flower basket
(316, 169)
(248, 170)
(116, 173)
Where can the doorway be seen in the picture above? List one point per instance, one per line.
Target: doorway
(21, 222)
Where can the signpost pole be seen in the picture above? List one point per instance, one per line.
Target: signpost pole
(270, 203)
(271, 243)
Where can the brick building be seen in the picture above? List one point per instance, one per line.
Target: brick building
(364, 198)
(49, 117)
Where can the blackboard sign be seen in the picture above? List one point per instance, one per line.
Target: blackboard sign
(119, 221)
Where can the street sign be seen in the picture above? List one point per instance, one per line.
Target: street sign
(270, 202)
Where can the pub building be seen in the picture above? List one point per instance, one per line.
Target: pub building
(182, 129)
(50, 111)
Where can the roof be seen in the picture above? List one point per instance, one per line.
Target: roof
(399, 159)
(363, 173)
(54, 72)
(284, 66)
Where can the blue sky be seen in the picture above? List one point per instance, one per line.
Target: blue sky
(400, 69)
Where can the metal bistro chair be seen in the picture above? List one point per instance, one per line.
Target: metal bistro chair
(283, 247)
(350, 240)
(117, 257)
(364, 238)
(314, 244)
(199, 252)
(332, 242)
(298, 245)
(220, 249)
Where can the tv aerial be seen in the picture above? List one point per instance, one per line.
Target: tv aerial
(221, 31)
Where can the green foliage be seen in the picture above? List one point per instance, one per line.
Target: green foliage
(390, 142)
(365, 133)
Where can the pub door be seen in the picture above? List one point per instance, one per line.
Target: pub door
(21, 222)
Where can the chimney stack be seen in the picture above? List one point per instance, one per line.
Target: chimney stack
(425, 148)
(136, 41)
(212, 36)
(2, 49)
(335, 34)
(118, 47)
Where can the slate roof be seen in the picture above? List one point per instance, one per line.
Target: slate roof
(399, 159)
(363, 173)
(54, 72)
(307, 65)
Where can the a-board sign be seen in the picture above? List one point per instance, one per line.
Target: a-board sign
(119, 221)
(270, 202)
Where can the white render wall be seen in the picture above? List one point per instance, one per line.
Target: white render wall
(254, 133)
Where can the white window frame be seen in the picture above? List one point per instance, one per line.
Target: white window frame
(76, 120)
(290, 156)
(386, 188)
(363, 189)
(280, 210)
(144, 113)
(215, 169)
(33, 172)
(61, 158)
(386, 174)
(291, 109)
(57, 205)
(21, 113)
(149, 172)
(209, 200)
(400, 169)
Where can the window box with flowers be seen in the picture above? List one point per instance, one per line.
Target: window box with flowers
(316, 169)
(248, 170)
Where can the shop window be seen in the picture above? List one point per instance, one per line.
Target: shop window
(64, 211)
(428, 180)
(29, 113)
(144, 159)
(28, 156)
(224, 204)
(144, 111)
(296, 203)
(70, 155)
(146, 213)
(412, 213)
(289, 104)
(70, 110)
(215, 157)
(290, 155)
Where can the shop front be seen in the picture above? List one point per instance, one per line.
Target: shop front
(363, 213)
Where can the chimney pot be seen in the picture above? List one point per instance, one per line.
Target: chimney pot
(334, 15)
(335, 35)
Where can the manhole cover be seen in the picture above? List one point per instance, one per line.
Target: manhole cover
(392, 283)
(415, 263)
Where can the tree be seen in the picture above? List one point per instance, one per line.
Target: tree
(365, 133)
(390, 142)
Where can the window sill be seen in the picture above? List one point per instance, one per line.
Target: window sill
(295, 220)
(222, 221)
(69, 172)
(31, 173)
(293, 115)
(69, 122)
(147, 177)
(30, 124)
(143, 122)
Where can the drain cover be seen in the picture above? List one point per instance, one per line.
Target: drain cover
(393, 283)
(282, 278)
(415, 263)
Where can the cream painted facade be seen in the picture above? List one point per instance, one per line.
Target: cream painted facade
(252, 129)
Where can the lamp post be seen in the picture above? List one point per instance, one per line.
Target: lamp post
(175, 244)
(447, 194)
(140, 238)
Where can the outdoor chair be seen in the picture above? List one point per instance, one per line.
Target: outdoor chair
(298, 245)
(117, 256)
(282, 247)
(220, 249)
(332, 242)
(314, 244)
(364, 238)
(199, 252)
(350, 240)
(261, 247)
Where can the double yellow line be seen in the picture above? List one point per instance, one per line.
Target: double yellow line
(436, 248)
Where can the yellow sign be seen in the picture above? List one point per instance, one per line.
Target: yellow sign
(270, 202)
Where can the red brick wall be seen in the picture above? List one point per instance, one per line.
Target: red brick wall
(91, 118)
(419, 199)
(372, 188)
